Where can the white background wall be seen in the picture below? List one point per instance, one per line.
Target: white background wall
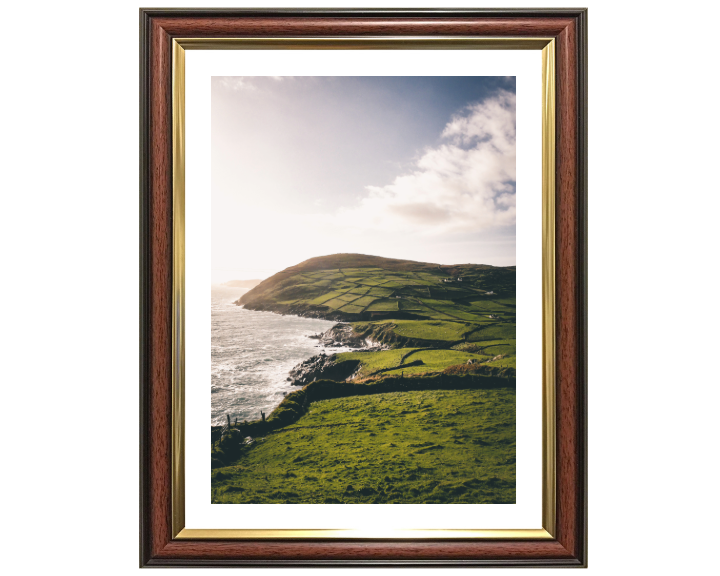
(69, 226)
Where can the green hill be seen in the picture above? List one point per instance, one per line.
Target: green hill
(353, 287)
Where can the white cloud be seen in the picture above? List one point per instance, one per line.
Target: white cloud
(466, 184)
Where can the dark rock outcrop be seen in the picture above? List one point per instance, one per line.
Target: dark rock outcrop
(322, 367)
(341, 335)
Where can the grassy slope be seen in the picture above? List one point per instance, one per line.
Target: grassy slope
(433, 360)
(428, 446)
(436, 446)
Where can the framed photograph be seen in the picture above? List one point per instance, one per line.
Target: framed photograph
(363, 287)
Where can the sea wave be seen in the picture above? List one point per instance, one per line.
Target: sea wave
(251, 355)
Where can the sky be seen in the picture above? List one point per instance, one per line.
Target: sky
(418, 168)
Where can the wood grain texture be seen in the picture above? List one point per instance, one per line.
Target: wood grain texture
(313, 26)
(566, 302)
(359, 551)
(158, 27)
(158, 292)
(570, 298)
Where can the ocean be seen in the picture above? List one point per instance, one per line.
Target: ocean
(252, 354)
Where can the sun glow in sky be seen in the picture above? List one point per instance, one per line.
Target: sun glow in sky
(419, 168)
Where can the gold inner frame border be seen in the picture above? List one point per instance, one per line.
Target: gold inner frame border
(547, 47)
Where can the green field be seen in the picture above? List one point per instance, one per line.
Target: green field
(379, 292)
(383, 305)
(335, 303)
(506, 349)
(436, 446)
(348, 297)
(364, 301)
(326, 297)
(436, 361)
(431, 330)
(374, 361)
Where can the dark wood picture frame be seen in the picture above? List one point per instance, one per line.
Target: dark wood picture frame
(158, 27)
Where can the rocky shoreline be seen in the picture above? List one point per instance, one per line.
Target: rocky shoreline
(321, 366)
(324, 366)
(343, 335)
